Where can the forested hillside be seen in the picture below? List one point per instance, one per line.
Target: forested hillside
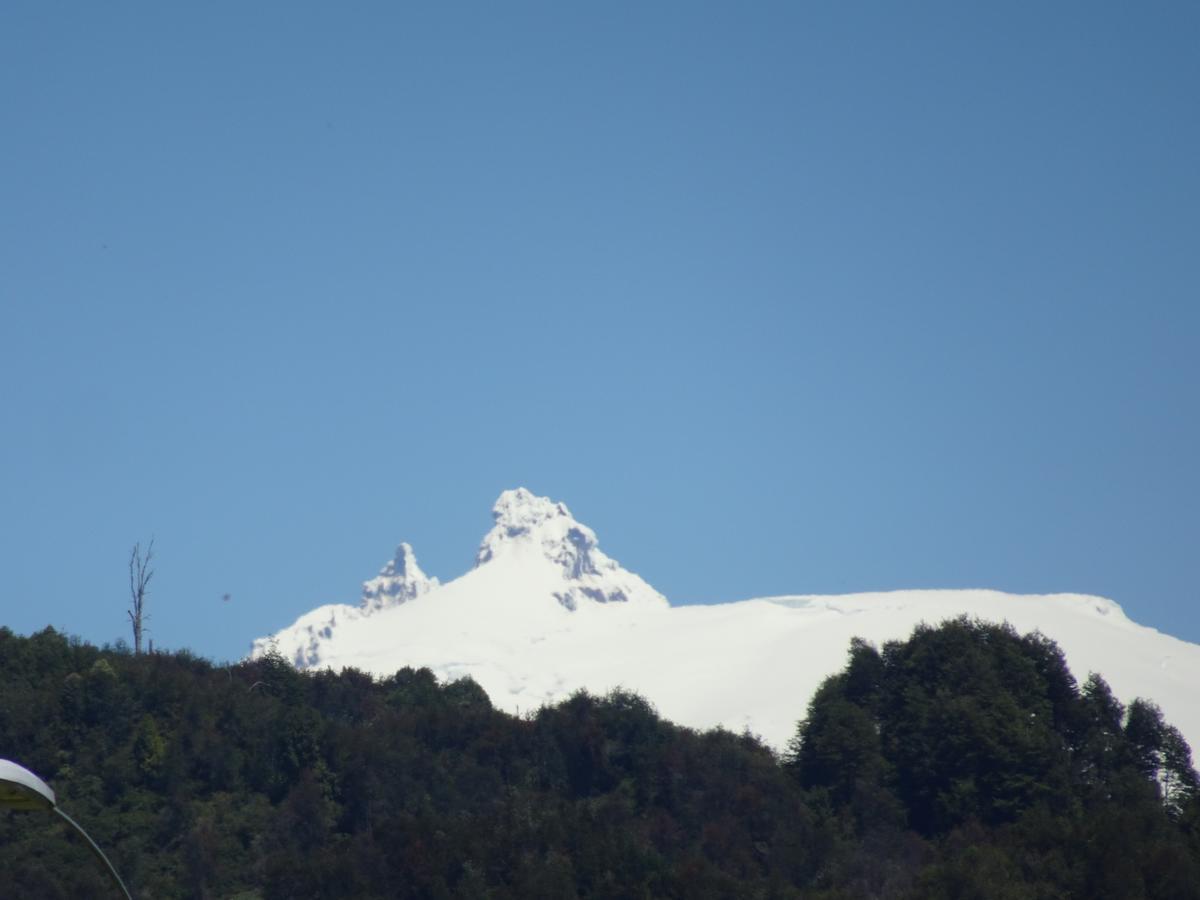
(963, 762)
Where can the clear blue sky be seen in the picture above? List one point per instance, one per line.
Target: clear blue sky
(779, 298)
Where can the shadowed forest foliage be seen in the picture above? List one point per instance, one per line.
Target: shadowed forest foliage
(965, 762)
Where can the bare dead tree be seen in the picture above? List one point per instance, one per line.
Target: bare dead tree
(140, 574)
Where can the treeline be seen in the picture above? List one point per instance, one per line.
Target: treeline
(964, 762)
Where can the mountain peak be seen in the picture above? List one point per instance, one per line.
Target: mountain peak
(538, 528)
(399, 581)
(519, 511)
(522, 517)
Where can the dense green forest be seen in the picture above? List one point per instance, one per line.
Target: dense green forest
(965, 762)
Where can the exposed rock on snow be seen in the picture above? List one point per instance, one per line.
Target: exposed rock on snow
(398, 581)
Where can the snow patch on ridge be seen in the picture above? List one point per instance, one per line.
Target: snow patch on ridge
(304, 641)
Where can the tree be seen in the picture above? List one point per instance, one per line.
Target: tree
(1161, 755)
(140, 574)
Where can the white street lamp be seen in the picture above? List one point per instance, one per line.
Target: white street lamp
(21, 789)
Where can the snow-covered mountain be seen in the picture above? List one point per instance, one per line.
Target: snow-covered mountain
(545, 612)
(536, 564)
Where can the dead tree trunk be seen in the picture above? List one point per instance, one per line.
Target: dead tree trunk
(140, 574)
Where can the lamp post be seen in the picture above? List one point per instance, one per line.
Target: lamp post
(21, 789)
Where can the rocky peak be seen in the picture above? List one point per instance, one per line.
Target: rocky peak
(397, 582)
(539, 527)
(524, 519)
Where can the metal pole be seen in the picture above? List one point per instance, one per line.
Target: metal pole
(95, 849)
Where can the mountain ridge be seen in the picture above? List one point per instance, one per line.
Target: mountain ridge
(544, 612)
